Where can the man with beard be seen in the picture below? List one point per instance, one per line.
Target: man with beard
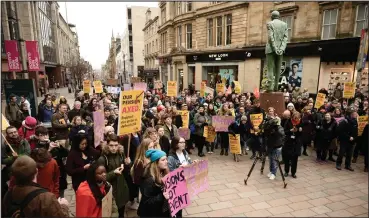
(255, 140)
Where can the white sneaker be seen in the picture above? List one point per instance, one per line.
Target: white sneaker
(247, 149)
(133, 206)
(269, 175)
(272, 177)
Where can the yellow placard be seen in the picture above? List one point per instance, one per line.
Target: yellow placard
(232, 111)
(256, 119)
(220, 87)
(206, 131)
(98, 86)
(172, 88)
(361, 121)
(234, 144)
(130, 111)
(86, 86)
(202, 89)
(4, 123)
(319, 100)
(211, 134)
(349, 90)
(185, 118)
(237, 87)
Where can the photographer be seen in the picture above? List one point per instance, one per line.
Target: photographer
(274, 138)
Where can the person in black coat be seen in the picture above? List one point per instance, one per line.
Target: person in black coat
(364, 143)
(325, 133)
(242, 129)
(292, 147)
(307, 129)
(163, 140)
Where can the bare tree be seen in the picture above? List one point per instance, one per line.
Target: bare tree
(79, 70)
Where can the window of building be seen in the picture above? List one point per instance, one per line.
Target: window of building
(329, 24)
(164, 43)
(163, 15)
(228, 39)
(219, 31)
(210, 27)
(188, 6)
(189, 36)
(179, 8)
(361, 18)
(179, 36)
(288, 21)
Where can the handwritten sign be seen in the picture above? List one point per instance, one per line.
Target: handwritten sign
(98, 86)
(237, 87)
(362, 121)
(184, 133)
(220, 87)
(202, 89)
(211, 134)
(130, 112)
(348, 90)
(221, 123)
(86, 86)
(256, 119)
(99, 126)
(140, 86)
(319, 100)
(158, 84)
(185, 115)
(172, 88)
(175, 185)
(4, 123)
(234, 144)
(107, 203)
(197, 178)
(206, 132)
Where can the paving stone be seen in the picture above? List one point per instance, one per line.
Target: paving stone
(303, 213)
(340, 213)
(280, 210)
(321, 209)
(258, 213)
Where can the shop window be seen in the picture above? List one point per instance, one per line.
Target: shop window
(179, 36)
(288, 20)
(189, 36)
(210, 27)
(329, 26)
(219, 31)
(228, 35)
(361, 18)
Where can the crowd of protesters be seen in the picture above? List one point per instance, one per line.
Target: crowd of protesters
(41, 151)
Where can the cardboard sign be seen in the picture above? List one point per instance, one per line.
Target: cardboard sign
(211, 134)
(237, 87)
(140, 86)
(98, 86)
(197, 178)
(130, 112)
(175, 185)
(348, 90)
(256, 119)
(206, 131)
(86, 86)
(184, 133)
(362, 121)
(221, 123)
(185, 115)
(4, 123)
(158, 84)
(319, 100)
(127, 87)
(107, 203)
(220, 87)
(99, 127)
(135, 79)
(202, 89)
(172, 88)
(234, 144)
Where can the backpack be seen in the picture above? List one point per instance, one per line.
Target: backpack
(15, 209)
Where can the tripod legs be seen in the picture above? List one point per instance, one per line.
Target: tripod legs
(280, 170)
(252, 168)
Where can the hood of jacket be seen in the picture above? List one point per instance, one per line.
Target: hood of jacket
(105, 149)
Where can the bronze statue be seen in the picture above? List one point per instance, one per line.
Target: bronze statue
(275, 47)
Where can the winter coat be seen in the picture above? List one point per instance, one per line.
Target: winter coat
(26, 134)
(308, 128)
(164, 144)
(134, 143)
(241, 129)
(173, 160)
(325, 133)
(200, 121)
(11, 112)
(118, 182)
(292, 145)
(60, 129)
(346, 129)
(275, 137)
(170, 134)
(46, 114)
(48, 177)
(75, 129)
(43, 205)
(86, 205)
(74, 112)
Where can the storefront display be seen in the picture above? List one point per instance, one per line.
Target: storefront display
(219, 74)
(338, 76)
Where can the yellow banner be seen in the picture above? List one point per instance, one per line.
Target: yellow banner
(172, 88)
(211, 134)
(362, 121)
(319, 100)
(256, 119)
(206, 132)
(130, 111)
(87, 86)
(234, 144)
(98, 86)
(348, 90)
(220, 87)
(237, 87)
(202, 89)
(4, 123)
(185, 118)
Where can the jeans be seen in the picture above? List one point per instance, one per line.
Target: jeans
(273, 160)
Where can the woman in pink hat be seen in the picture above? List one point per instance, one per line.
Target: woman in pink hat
(27, 131)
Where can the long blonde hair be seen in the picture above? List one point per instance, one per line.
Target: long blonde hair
(140, 155)
(153, 170)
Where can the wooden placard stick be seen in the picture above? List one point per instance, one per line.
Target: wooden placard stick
(6, 142)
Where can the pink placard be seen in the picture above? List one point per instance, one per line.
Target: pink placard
(175, 185)
(99, 126)
(33, 56)
(197, 178)
(12, 54)
(221, 123)
(140, 86)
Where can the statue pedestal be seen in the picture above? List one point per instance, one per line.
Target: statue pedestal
(273, 99)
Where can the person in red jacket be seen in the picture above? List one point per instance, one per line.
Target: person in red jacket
(91, 192)
(48, 170)
(27, 131)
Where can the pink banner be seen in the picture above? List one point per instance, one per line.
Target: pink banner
(12, 53)
(140, 86)
(221, 123)
(175, 185)
(33, 56)
(99, 127)
(196, 176)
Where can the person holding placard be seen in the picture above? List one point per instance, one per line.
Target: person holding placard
(200, 120)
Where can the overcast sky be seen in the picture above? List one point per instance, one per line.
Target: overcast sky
(94, 22)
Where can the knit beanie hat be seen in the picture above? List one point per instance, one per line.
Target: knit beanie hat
(290, 105)
(155, 154)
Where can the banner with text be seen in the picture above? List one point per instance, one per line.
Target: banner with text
(172, 88)
(348, 90)
(33, 56)
(211, 134)
(319, 100)
(140, 86)
(12, 54)
(234, 144)
(362, 121)
(237, 87)
(98, 86)
(220, 87)
(197, 177)
(202, 89)
(185, 115)
(130, 111)
(86, 86)
(221, 123)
